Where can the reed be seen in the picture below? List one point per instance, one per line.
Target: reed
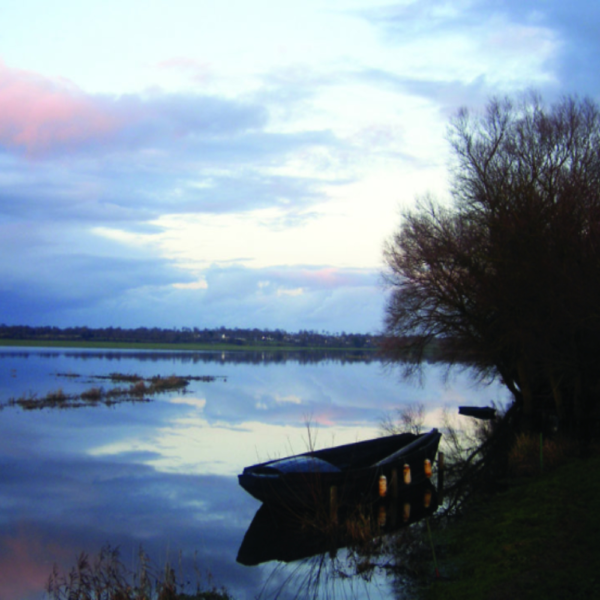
(94, 394)
(138, 391)
(30, 400)
(105, 577)
(530, 455)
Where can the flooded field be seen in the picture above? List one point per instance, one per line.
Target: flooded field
(159, 469)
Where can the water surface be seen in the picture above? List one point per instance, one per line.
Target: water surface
(162, 474)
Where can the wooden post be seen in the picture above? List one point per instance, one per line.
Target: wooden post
(393, 506)
(333, 503)
(440, 476)
(394, 484)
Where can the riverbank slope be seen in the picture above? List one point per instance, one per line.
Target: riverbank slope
(539, 539)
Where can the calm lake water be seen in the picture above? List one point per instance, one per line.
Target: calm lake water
(162, 474)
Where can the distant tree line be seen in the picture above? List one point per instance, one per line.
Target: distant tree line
(187, 335)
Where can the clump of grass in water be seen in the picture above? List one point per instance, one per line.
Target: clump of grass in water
(163, 384)
(57, 397)
(53, 399)
(27, 401)
(124, 377)
(138, 391)
(107, 578)
(93, 394)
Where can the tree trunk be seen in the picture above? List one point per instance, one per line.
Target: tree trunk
(527, 410)
(559, 401)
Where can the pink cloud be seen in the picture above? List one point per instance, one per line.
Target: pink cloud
(39, 113)
(327, 277)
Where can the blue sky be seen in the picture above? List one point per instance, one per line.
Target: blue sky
(193, 163)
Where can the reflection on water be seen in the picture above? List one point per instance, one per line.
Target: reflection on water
(163, 474)
(289, 533)
(206, 356)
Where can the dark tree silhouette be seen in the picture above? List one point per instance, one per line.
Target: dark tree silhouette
(507, 276)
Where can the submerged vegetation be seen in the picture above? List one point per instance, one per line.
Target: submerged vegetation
(138, 390)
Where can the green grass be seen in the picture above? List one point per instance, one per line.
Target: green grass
(537, 540)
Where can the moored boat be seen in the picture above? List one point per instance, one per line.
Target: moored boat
(485, 413)
(397, 461)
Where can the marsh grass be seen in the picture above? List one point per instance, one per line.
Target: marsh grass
(122, 377)
(531, 455)
(93, 394)
(138, 390)
(30, 400)
(105, 577)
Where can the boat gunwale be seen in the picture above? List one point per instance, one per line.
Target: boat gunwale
(415, 444)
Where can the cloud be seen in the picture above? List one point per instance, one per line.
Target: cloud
(38, 113)
(41, 116)
(70, 156)
(97, 292)
(45, 118)
(471, 40)
(42, 287)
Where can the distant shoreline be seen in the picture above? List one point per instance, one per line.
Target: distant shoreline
(217, 347)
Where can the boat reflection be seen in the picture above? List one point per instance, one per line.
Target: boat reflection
(288, 533)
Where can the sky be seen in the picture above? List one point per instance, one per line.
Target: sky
(241, 163)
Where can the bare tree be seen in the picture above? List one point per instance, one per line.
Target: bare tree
(508, 277)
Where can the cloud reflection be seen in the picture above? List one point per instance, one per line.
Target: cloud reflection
(163, 474)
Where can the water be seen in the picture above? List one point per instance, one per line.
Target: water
(162, 475)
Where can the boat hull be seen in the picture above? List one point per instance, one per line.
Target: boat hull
(359, 476)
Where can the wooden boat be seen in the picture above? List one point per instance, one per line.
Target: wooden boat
(485, 413)
(348, 470)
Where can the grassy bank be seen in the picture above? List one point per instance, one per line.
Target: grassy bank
(537, 540)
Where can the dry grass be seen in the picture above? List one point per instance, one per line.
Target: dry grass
(532, 454)
(93, 394)
(105, 577)
(138, 391)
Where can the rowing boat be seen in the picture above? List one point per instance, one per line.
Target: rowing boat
(394, 461)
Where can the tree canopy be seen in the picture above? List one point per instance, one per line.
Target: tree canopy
(507, 276)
